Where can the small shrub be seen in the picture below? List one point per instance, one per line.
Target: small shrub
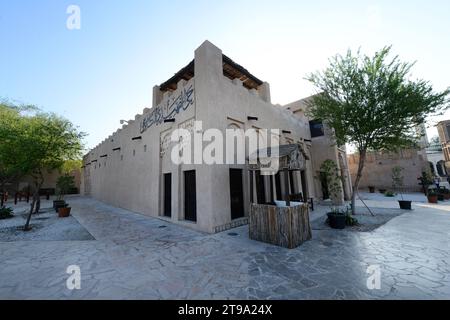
(350, 221)
(389, 194)
(6, 213)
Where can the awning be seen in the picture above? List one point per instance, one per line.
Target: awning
(284, 157)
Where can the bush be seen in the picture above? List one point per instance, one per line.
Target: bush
(64, 184)
(389, 194)
(350, 221)
(6, 213)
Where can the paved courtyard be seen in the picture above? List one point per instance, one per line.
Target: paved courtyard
(137, 257)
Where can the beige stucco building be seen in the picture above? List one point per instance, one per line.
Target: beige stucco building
(324, 147)
(133, 168)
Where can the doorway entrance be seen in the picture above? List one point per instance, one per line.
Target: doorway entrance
(190, 196)
(167, 195)
(236, 194)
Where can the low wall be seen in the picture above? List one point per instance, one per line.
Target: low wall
(378, 169)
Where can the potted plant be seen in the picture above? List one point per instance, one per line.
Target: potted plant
(371, 189)
(64, 212)
(63, 184)
(445, 193)
(389, 194)
(426, 180)
(432, 196)
(340, 218)
(6, 213)
(382, 191)
(331, 173)
(397, 183)
(336, 219)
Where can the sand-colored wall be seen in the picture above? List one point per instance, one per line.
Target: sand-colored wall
(378, 168)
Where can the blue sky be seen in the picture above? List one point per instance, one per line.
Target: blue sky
(105, 71)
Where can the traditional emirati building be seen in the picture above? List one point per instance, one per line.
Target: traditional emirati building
(134, 168)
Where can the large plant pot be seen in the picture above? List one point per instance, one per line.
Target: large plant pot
(59, 205)
(382, 191)
(446, 196)
(336, 221)
(433, 199)
(64, 212)
(405, 204)
(372, 189)
(55, 202)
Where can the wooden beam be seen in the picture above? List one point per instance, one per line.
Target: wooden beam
(286, 187)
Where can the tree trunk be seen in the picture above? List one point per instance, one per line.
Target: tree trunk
(362, 160)
(27, 224)
(2, 191)
(39, 182)
(35, 205)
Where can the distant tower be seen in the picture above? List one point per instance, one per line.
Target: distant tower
(421, 132)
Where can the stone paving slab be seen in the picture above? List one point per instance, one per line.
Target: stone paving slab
(133, 258)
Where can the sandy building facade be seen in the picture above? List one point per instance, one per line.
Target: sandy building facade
(378, 169)
(134, 169)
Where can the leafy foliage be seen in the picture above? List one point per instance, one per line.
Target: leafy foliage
(64, 184)
(389, 194)
(372, 103)
(334, 182)
(426, 179)
(34, 141)
(6, 213)
(397, 178)
(349, 219)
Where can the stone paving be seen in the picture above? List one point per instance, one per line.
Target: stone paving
(137, 257)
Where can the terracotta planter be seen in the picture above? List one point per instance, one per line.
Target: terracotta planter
(59, 205)
(433, 199)
(447, 196)
(64, 212)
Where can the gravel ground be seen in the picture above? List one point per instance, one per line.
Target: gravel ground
(366, 222)
(46, 226)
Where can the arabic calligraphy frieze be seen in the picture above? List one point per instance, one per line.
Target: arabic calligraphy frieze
(172, 107)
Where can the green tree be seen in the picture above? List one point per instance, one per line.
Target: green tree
(50, 142)
(372, 103)
(64, 184)
(13, 158)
